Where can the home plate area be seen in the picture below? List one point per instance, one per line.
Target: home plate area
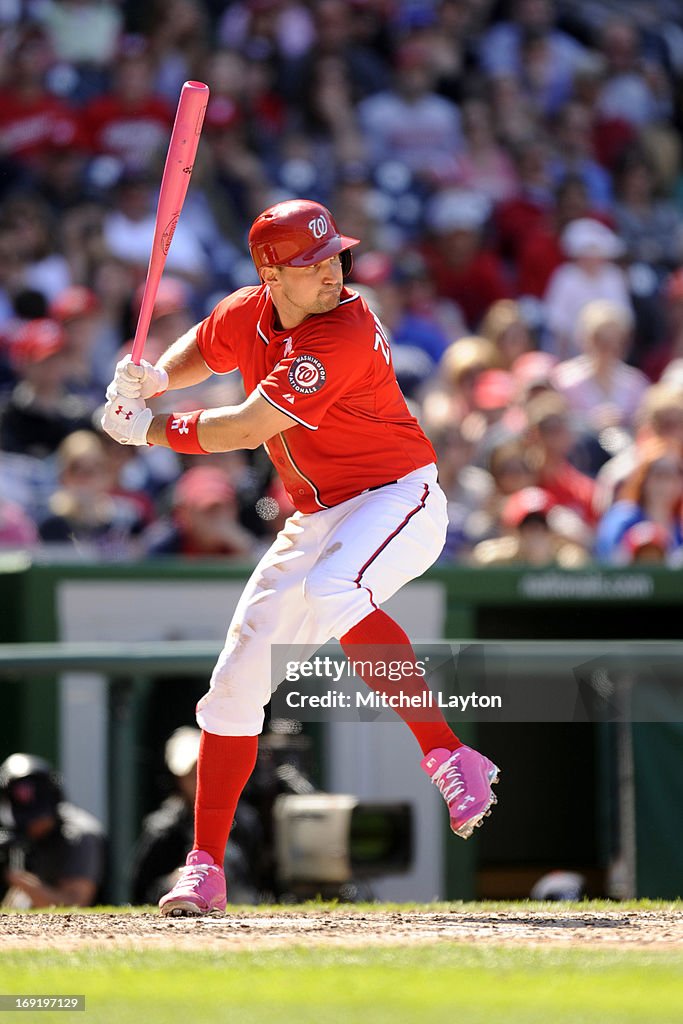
(243, 928)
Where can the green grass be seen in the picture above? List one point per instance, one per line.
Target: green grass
(457, 983)
(397, 985)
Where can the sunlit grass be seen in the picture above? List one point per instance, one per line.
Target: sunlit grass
(388, 985)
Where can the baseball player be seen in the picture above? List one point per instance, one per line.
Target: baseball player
(370, 515)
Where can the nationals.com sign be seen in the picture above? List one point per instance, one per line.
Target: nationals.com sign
(306, 375)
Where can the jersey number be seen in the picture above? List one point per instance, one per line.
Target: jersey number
(381, 340)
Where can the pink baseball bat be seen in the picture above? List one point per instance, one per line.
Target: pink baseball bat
(182, 149)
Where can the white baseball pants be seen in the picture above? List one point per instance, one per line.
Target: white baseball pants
(323, 574)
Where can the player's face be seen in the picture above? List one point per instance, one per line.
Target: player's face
(299, 292)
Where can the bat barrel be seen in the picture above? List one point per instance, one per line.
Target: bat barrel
(182, 150)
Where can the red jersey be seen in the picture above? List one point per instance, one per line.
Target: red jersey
(570, 487)
(334, 376)
(133, 134)
(474, 286)
(28, 128)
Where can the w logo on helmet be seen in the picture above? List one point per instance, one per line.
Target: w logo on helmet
(318, 227)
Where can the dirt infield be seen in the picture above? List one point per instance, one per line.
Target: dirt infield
(342, 926)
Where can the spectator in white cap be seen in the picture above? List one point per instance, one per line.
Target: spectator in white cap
(591, 273)
(457, 209)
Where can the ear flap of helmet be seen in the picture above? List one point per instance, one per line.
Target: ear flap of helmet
(346, 258)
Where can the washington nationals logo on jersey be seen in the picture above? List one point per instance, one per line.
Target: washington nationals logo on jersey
(306, 375)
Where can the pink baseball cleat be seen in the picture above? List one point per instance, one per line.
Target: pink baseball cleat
(464, 778)
(199, 891)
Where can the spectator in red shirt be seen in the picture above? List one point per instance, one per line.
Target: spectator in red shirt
(30, 118)
(130, 122)
(462, 269)
(516, 217)
(551, 440)
(540, 250)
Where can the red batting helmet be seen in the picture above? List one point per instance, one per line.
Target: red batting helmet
(297, 233)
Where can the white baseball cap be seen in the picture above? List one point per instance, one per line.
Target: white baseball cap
(588, 237)
(457, 209)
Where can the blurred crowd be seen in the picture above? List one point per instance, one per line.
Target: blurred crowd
(514, 172)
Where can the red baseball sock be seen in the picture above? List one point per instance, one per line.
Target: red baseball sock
(223, 768)
(378, 639)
